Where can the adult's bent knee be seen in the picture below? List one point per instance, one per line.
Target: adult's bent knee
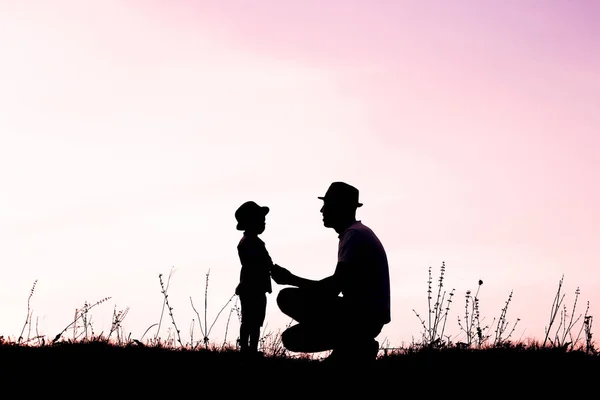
(286, 298)
(287, 339)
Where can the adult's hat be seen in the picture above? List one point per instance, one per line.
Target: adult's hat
(248, 210)
(342, 193)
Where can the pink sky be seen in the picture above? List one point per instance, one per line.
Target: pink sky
(131, 130)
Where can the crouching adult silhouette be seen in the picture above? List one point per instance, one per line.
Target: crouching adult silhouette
(347, 310)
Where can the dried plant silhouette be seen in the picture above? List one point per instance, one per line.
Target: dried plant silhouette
(28, 316)
(478, 335)
(437, 314)
(563, 335)
(472, 320)
(206, 332)
(83, 315)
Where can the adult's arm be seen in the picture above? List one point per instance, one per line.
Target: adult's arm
(329, 285)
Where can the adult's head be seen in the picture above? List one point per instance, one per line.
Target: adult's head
(339, 205)
(251, 217)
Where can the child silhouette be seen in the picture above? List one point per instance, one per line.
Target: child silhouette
(255, 274)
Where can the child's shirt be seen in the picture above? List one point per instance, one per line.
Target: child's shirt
(255, 275)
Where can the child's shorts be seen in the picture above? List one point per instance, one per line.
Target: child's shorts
(254, 307)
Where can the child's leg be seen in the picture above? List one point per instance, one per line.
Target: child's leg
(260, 309)
(254, 337)
(244, 336)
(245, 323)
(253, 315)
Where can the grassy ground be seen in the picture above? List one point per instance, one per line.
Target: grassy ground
(483, 361)
(99, 367)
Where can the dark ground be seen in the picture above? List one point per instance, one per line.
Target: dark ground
(100, 370)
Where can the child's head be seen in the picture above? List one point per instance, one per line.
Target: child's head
(251, 217)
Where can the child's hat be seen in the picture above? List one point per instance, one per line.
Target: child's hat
(248, 210)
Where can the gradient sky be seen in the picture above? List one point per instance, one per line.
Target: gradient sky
(130, 131)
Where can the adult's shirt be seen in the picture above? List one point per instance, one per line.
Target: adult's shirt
(365, 279)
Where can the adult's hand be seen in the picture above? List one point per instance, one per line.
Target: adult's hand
(281, 275)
